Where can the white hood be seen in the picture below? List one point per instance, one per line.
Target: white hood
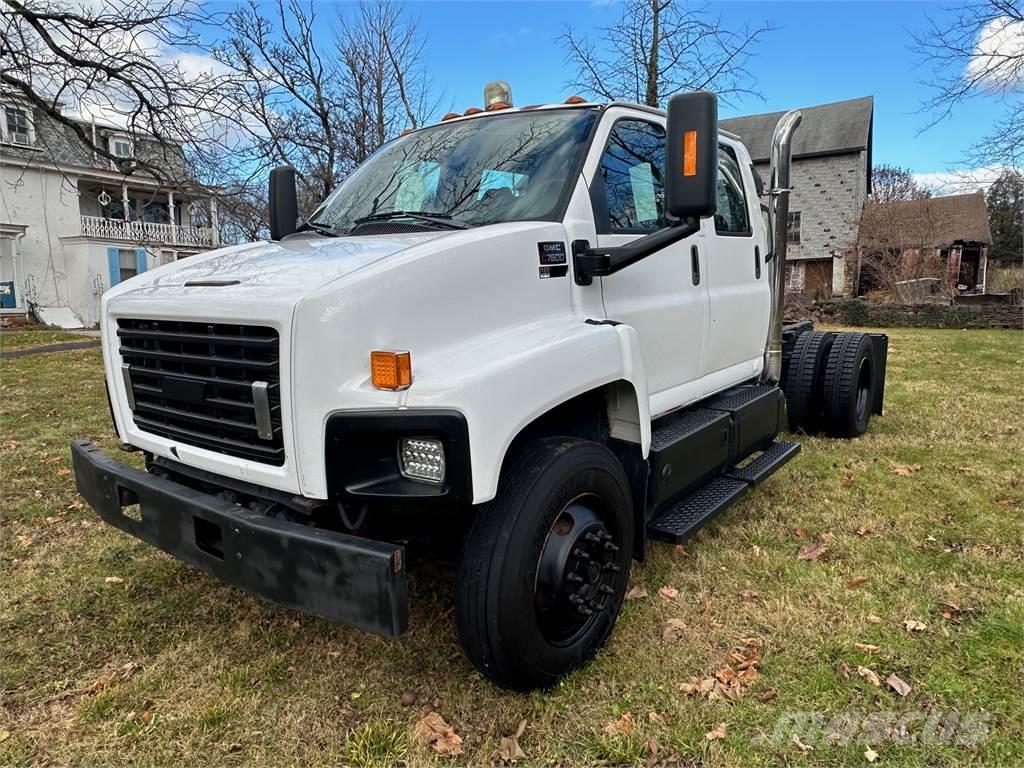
(291, 266)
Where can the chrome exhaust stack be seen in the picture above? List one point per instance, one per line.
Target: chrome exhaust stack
(778, 214)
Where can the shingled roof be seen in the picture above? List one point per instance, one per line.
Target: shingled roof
(828, 129)
(932, 222)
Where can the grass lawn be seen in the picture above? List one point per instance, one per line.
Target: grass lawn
(23, 338)
(922, 519)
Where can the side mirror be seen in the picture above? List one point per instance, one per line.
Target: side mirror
(691, 155)
(284, 206)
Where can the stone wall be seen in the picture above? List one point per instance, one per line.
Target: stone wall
(829, 193)
(861, 313)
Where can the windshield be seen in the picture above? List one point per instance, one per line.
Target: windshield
(511, 167)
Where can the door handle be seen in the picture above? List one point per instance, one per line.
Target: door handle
(757, 263)
(695, 264)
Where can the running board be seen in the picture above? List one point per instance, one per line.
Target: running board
(683, 519)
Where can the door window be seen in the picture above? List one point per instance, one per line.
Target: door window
(632, 172)
(731, 217)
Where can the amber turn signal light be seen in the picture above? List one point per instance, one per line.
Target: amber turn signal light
(690, 153)
(390, 370)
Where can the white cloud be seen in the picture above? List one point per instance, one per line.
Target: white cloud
(999, 54)
(958, 182)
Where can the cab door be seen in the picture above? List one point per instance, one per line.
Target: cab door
(737, 280)
(662, 296)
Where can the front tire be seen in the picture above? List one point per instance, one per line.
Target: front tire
(545, 565)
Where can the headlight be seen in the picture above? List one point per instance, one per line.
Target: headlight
(421, 458)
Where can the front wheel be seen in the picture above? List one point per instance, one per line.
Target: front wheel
(545, 565)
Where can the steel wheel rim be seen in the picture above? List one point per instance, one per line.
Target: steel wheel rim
(577, 572)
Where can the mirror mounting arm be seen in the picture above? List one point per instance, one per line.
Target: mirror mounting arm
(589, 263)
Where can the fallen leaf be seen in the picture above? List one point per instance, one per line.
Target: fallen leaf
(108, 678)
(812, 551)
(805, 748)
(433, 732)
(900, 686)
(698, 687)
(801, 533)
(508, 746)
(654, 717)
(857, 581)
(756, 551)
(668, 593)
(749, 595)
(624, 726)
(1007, 502)
(867, 648)
(869, 675)
(904, 470)
(913, 625)
(652, 748)
(4, 736)
(863, 530)
(872, 619)
(870, 755)
(965, 470)
(114, 580)
(681, 551)
(767, 695)
(636, 592)
(63, 472)
(717, 733)
(674, 629)
(408, 698)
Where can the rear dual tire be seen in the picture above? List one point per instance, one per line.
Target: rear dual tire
(563, 507)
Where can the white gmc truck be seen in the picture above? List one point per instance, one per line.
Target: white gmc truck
(540, 336)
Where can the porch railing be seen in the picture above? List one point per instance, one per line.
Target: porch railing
(147, 232)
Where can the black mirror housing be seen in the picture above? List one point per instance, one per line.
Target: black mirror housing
(284, 206)
(691, 155)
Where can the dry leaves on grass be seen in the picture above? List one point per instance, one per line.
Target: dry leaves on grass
(913, 625)
(857, 581)
(905, 470)
(508, 747)
(624, 726)
(668, 593)
(748, 595)
(636, 592)
(109, 677)
(434, 733)
(805, 748)
(674, 630)
(731, 682)
(870, 755)
(870, 675)
(867, 647)
(812, 551)
(899, 685)
(716, 733)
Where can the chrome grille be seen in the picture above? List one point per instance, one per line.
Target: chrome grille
(194, 382)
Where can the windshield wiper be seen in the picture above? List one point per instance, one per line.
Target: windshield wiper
(440, 219)
(318, 227)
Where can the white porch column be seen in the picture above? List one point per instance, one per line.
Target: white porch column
(124, 202)
(170, 213)
(214, 222)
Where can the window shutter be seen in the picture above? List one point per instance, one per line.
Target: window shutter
(115, 266)
(140, 260)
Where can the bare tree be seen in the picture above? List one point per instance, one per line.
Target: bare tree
(979, 52)
(661, 47)
(890, 184)
(386, 82)
(111, 59)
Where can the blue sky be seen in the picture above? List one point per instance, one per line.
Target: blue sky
(820, 52)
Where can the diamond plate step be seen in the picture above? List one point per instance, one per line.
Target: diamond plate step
(764, 466)
(686, 517)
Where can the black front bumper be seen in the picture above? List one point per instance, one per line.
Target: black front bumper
(350, 580)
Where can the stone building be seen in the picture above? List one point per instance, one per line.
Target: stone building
(74, 223)
(830, 179)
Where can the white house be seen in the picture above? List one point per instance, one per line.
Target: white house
(72, 224)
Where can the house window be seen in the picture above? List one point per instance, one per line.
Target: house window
(128, 261)
(121, 147)
(793, 227)
(17, 126)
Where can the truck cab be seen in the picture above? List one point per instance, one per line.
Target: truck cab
(543, 334)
